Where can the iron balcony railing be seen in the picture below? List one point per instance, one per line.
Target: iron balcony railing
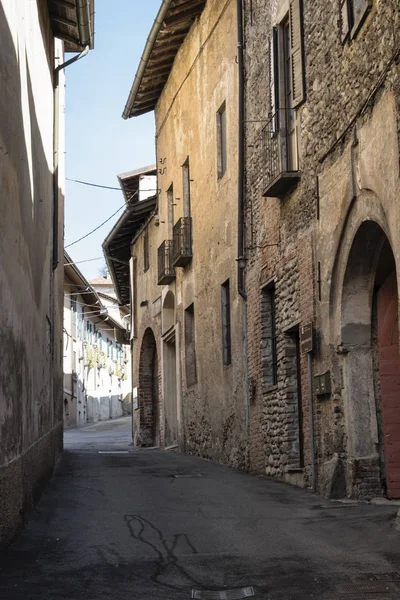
(166, 271)
(182, 242)
(280, 153)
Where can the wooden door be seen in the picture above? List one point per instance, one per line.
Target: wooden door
(389, 367)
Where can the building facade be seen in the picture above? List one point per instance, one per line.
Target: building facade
(33, 37)
(322, 237)
(187, 313)
(97, 365)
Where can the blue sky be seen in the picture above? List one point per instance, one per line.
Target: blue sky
(100, 144)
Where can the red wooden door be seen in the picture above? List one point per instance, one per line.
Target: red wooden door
(389, 367)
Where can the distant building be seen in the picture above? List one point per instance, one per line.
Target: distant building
(34, 34)
(97, 364)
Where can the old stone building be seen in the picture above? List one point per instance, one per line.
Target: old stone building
(322, 242)
(33, 37)
(187, 310)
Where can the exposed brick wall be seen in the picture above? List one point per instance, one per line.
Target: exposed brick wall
(280, 234)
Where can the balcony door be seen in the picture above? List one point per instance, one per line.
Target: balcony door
(288, 115)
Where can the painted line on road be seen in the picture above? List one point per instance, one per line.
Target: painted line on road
(114, 452)
(247, 592)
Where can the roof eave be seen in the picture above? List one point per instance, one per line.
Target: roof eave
(73, 22)
(155, 30)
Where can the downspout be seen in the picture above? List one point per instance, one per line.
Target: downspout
(56, 137)
(241, 259)
(241, 110)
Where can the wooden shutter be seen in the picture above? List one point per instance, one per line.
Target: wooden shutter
(273, 79)
(273, 70)
(360, 10)
(297, 51)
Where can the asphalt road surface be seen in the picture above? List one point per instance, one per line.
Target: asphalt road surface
(117, 523)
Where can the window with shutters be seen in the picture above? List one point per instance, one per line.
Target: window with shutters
(287, 93)
(352, 15)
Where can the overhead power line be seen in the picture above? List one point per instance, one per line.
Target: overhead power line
(96, 228)
(96, 185)
(104, 187)
(79, 262)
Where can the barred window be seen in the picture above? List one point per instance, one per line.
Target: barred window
(269, 355)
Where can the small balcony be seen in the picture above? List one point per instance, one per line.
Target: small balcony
(280, 154)
(182, 242)
(166, 271)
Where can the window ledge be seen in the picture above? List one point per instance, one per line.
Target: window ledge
(283, 183)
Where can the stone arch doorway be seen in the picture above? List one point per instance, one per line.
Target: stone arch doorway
(149, 392)
(371, 364)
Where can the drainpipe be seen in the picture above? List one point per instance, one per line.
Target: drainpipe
(56, 135)
(241, 259)
(240, 251)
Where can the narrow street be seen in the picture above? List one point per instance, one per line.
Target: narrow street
(117, 522)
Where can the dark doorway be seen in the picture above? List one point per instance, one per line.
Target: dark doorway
(149, 384)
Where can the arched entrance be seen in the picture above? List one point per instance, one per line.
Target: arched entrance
(148, 393)
(371, 367)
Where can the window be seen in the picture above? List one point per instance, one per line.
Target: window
(269, 356)
(73, 317)
(287, 93)
(352, 15)
(80, 326)
(133, 296)
(171, 211)
(146, 257)
(186, 188)
(287, 81)
(226, 323)
(221, 141)
(190, 346)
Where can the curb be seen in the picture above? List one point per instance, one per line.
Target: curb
(397, 522)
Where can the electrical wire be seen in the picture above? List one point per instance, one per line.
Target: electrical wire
(96, 228)
(104, 187)
(96, 185)
(83, 261)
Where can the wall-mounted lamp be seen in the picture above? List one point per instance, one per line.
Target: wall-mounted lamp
(241, 261)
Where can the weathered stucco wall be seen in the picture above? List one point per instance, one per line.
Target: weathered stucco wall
(211, 411)
(30, 319)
